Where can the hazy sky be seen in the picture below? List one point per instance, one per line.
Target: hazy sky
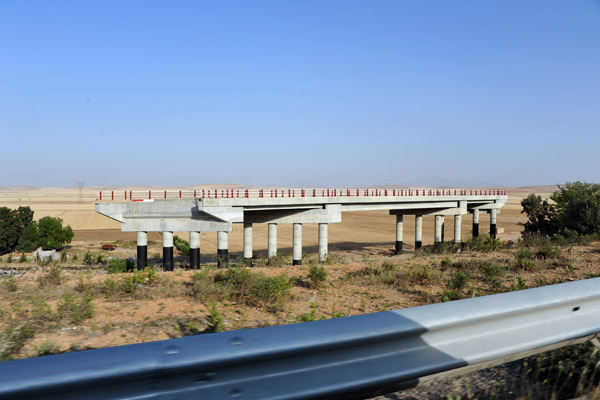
(344, 93)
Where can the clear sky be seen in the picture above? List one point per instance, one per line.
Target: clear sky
(327, 93)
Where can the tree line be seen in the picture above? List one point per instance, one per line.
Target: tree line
(19, 232)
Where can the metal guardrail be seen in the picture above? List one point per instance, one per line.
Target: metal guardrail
(346, 357)
(138, 195)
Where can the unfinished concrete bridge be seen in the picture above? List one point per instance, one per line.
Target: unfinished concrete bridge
(215, 210)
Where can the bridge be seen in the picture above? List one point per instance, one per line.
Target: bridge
(215, 210)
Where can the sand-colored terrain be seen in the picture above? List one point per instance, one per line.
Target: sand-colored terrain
(358, 232)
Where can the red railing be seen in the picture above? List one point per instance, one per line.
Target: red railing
(276, 193)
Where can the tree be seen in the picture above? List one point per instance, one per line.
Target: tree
(51, 234)
(29, 238)
(542, 216)
(575, 211)
(12, 224)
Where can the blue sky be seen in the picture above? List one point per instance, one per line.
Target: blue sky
(327, 93)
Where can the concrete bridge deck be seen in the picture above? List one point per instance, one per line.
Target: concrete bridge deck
(216, 210)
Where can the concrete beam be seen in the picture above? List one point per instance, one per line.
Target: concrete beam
(332, 213)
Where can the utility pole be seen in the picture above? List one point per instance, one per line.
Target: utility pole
(80, 185)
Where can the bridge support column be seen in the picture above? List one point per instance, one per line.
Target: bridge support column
(493, 229)
(142, 250)
(437, 238)
(272, 241)
(222, 249)
(457, 228)
(443, 227)
(248, 243)
(322, 242)
(475, 223)
(418, 231)
(297, 245)
(194, 250)
(399, 227)
(168, 251)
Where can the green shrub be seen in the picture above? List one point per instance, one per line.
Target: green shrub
(449, 295)
(117, 266)
(308, 317)
(214, 321)
(23, 258)
(445, 263)
(13, 337)
(99, 258)
(145, 277)
(75, 258)
(46, 348)
(52, 276)
(317, 275)
(9, 259)
(63, 256)
(182, 245)
(459, 280)
(548, 251)
(271, 290)
(524, 259)
(74, 308)
(87, 258)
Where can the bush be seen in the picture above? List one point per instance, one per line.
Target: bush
(575, 212)
(13, 338)
(87, 258)
(271, 290)
(117, 266)
(52, 276)
(214, 321)
(317, 275)
(74, 308)
(459, 280)
(182, 245)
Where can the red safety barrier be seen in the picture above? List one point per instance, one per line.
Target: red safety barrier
(260, 193)
(101, 195)
(112, 195)
(149, 194)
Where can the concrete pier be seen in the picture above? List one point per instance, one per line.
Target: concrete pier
(168, 251)
(194, 250)
(418, 231)
(399, 228)
(493, 229)
(297, 245)
(222, 249)
(142, 250)
(272, 241)
(457, 228)
(322, 243)
(443, 228)
(437, 238)
(475, 223)
(247, 243)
